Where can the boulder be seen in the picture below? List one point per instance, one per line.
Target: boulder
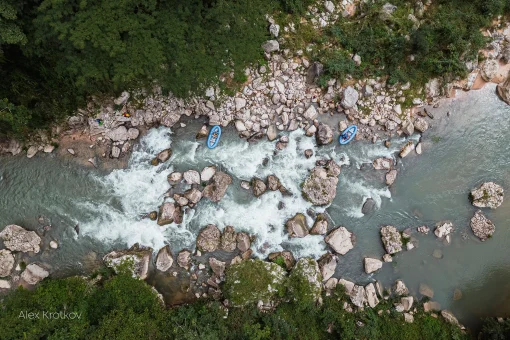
(482, 227)
(207, 173)
(115, 152)
(240, 103)
(271, 46)
(449, 317)
(191, 177)
(228, 241)
(162, 157)
(372, 265)
(169, 213)
(258, 186)
(350, 97)
(431, 306)
(406, 149)
(184, 258)
(18, 239)
(6, 262)
(175, 177)
(407, 302)
(217, 188)
(391, 239)
(400, 288)
(371, 295)
(324, 134)
(32, 151)
(421, 125)
(209, 238)
(193, 195)
(488, 195)
(340, 239)
(311, 112)
(53, 244)
(122, 99)
(408, 317)
(489, 69)
(391, 176)
(217, 266)
(286, 256)
(320, 226)
(34, 273)
(11, 146)
(243, 242)
(368, 206)
(358, 296)
(164, 260)
(133, 133)
(320, 187)
(308, 153)
(135, 260)
(503, 90)
(272, 132)
(327, 265)
(297, 226)
(382, 163)
(119, 134)
(433, 88)
(348, 285)
(202, 133)
(408, 127)
(273, 183)
(443, 229)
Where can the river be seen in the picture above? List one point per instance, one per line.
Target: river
(464, 148)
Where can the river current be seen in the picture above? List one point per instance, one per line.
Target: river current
(464, 148)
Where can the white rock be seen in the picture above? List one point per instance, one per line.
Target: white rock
(191, 177)
(240, 126)
(53, 244)
(372, 265)
(340, 240)
(33, 274)
(207, 173)
(240, 103)
(32, 151)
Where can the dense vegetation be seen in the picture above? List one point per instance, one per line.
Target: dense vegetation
(125, 308)
(54, 54)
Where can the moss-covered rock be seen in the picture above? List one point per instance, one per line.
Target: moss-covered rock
(304, 283)
(252, 281)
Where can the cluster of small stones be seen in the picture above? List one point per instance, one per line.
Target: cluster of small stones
(16, 268)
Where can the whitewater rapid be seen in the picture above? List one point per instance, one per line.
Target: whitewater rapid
(141, 188)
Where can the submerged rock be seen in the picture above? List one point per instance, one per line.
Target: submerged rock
(164, 260)
(17, 238)
(208, 238)
(425, 290)
(135, 260)
(34, 273)
(391, 239)
(488, 195)
(368, 206)
(340, 239)
(297, 226)
(482, 227)
(217, 188)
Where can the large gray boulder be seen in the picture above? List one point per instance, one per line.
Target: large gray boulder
(488, 195)
(271, 46)
(358, 296)
(135, 260)
(209, 238)
(297, 226)
(340, 239)
(382, 163)
(164, 260)
(489, 69)
(320, 226)
(6, 262)
(34, 273)
(327, 265)
(372, 265)
(320, 186)
(18, 239)
(350, 97)
(119, 134)
(503, 90)
(258, 186)
(482, 227)
(324, 134)
(218, 186)
(392, 239)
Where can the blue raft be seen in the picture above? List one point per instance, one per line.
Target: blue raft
(348, 134)
(214, 137)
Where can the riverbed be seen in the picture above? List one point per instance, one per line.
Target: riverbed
(463, 148)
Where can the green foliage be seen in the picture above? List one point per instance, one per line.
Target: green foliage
(296, 6)
(492, 329)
